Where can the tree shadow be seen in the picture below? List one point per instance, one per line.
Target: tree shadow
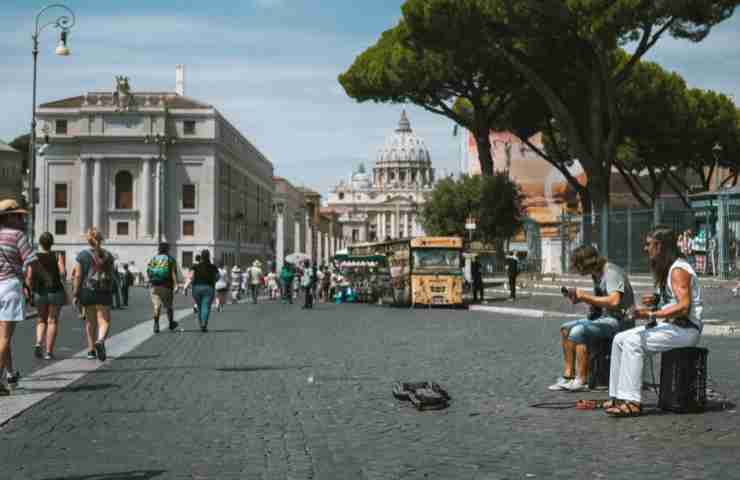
(214, 331)
(130, 475)
(137, 357)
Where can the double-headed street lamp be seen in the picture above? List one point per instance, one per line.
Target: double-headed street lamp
(162, 141)
(64, 23)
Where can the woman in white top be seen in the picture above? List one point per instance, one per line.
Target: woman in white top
(222, 287)
(677, 322)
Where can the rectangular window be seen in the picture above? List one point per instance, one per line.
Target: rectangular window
(187, 259)
(188, 127)
(60, 195)
(188, 197)
(188, 228)
(122, 229)
(60, 127)
(60, 227)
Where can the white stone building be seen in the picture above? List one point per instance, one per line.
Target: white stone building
(214, 188)
(386, 203)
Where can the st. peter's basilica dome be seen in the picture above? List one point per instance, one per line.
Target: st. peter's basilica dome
(404, 160)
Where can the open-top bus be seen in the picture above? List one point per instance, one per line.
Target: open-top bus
(423, 270)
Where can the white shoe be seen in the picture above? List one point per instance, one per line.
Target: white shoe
(577, 385)
(560, 384)
(735, 292)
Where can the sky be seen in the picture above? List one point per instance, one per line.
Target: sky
(270, 67)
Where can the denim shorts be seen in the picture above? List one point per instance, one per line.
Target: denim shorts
(586, 331)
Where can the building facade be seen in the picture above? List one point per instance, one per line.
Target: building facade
(11, 173)
(386, 203)
(199, 185)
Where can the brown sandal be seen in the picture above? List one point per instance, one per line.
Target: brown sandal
(626, 409)
(611, 403)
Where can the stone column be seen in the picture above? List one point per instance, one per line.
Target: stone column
(327, 248)
(279, 237)
(319, 239)
(84, 195)
(97, 195)
(297, 236)
(381, 226)
(394, 225)
(158, 200)
(309, 237)
(146, 208)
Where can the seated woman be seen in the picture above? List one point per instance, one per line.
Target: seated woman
(613, 299)
(677, 323)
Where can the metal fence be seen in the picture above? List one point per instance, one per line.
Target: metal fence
(715, 224)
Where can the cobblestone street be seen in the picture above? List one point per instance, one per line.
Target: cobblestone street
(272, 391)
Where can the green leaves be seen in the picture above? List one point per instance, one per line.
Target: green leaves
(495, 201)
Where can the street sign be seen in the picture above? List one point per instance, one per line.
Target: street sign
(470, 226)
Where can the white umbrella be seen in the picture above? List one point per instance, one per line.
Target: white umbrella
(297, 257)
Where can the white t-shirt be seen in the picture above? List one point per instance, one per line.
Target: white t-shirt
(222, 282)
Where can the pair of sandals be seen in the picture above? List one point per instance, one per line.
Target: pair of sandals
(620, 409)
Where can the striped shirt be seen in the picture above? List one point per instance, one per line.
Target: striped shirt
(15, 253)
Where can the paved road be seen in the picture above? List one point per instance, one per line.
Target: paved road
(273, 391)
(71, 336)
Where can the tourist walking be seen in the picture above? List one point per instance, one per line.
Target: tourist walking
(93, 289)
(222, 286)
(272, 285)
(16, 255)
(286, 280)
(48, 296)
(204, 279)
(236, 283)
(187, 288)
(477, 280)
(162, 272)
(676, 323)
(116, 286)
(126, 281)
(308, 283)
(255, 279)
(512, 271)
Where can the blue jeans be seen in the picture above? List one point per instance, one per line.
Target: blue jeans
(587, 331)
(203, 296)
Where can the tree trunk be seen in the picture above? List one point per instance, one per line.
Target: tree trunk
(485, 159)
(586, 208)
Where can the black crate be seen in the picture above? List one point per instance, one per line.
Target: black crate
(683, 380)
(599, 355)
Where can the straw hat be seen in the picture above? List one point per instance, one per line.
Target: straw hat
(10, 206)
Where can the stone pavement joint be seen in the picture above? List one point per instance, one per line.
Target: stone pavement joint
(59, 375)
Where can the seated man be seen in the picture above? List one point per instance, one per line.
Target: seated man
(614, 296)
(677, 322)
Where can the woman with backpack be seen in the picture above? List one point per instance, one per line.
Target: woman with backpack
(48, 296)
(93, 289)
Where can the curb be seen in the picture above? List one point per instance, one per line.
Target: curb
(709, 329)
(523, 312)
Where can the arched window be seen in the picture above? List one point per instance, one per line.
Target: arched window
(124, 191)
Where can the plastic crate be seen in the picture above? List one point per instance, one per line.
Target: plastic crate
(599, 356)
(683, 380)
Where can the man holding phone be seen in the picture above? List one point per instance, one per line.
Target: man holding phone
(613, 299)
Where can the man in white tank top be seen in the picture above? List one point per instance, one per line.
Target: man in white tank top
(674, 321)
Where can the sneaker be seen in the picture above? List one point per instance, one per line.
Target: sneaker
(173, 326)
(560, 384)
(91, 355)
(48, 356)
(37, 351)
(13, 380)
(735, 292)
(156, 327)
(577, 385)
(203, 328)
(100, 350)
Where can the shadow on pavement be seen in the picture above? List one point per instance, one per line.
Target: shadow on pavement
(136, 357)
(214, 331)
(260, 368)
(77, 389)
(131, 475)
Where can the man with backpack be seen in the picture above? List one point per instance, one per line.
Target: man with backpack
(162, 273)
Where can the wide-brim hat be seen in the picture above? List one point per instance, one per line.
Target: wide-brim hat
(10, 206)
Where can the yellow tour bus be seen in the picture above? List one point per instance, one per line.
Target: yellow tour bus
(424, 271)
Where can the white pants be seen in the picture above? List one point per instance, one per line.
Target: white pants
(628, 352)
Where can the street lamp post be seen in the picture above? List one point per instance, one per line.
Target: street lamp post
(64, 23)
(717, 152)
(162, 141)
